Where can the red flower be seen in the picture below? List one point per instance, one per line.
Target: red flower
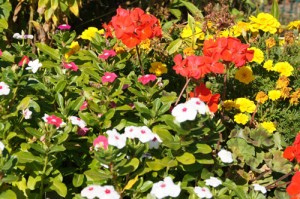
(146, 79)
(213, 103)
(292, 152)
(180, 67)
(107, 53)
(56, 121)
(83, 106)
(72, 66)
(108, 77)
(23, 61)
(289, 153)
(294, 187)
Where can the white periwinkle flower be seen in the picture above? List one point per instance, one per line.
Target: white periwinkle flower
(225, 156)
(144, 134)
(183, 112)
(91, 191)
(116, 139)
(77, 121)
(155, 142)
(34, 65)
(22, 36)
(1, 146)
(108, 192)
(213, 181)
(203, 192)
(260, 188)
(27, 113)
(165, 188)
(4, 88)
(199, 105)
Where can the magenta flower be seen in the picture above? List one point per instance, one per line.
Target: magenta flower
(56, 121)
(64, 27)
(147, 78)
(101, 142)
(83, 106)
(72, 66)
(23, 61)
(109, 77)
(1, 52)
(82, 131)
(107, 53)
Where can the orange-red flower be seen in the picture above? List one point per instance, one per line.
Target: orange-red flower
(294, 187)
(293, 152)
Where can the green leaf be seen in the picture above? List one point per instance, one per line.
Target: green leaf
(24, 103)
(203, 148)
(42, 3)
(31, 182)
(239, 191)
(176, 12)
(60, 86)
(3, 24)
(8, 194)
(59, 100)
(186, 158)
(162, 132)
(129, 167)
(59, 187)
(191, 22)
(54, 4)
(174, 46)
(96, 175)
(192, 8)
(53, 53)
(77, 180)
(33, 132)
(275, 9)
(158, 164)
(57, 148)
(6, 56)
(75, 105)
(146, 186)
(26, 157)
(142, 108)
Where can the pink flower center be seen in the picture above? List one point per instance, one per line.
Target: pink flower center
(91, 189)
(163, 185)
(204, 190)
(116, 137)
(154, 139)
(143, 131)
(107, 191)
(198, 103)
(1, 87)
(184, 109)
(108, 76)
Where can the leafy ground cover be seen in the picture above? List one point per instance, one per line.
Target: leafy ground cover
(147, 108)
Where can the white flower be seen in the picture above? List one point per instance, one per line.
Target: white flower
(165, 188)
(27, 113)
(260, 188)
(200, 106)
(183, 112)
(131, 132)
(116, 139)
(91, 191)
(4, 88)
(155, 142)
(22, 36)
(144, 134)
(34, 65)
(212, 181)
(203, 192)
(1, 146)
(225, 156)
(77, 121)
(108, 192)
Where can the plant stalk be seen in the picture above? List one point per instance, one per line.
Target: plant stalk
(183, 89)
(139, 58)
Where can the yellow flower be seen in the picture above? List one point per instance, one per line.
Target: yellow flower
(294, 25)
(118, 49)
(239, 29)
(284, 68)
(282, 82)
(74, 47)
(274, 94)
(268, 65)
(245, 105)
(158, 68)
(224, 33)
(189, 51)
(265, 22)
(228, 105)
(198, 33)
(261, 97)
(241, 118)
(258, 55)
(269, 126)
(90, 33)
(244, 75)
(270, 42)
(145, 44)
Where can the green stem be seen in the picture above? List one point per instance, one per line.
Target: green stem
(139, 58)
(183, 89)
(31, 14)
(43, 175)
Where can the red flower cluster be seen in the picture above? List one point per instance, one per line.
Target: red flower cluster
(294, 187)
(205, 95)
(197, 66)
(134, 26)
(292, 152)
(228, 49)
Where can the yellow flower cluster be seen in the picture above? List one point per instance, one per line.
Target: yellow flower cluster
(90, 33)
(258, 55)
(244, 75)
(274, 94)
(269, 126)
(228, 105)
(245, 105)
(240, 28)
(74, 47)
(268, 65)
(188, 33)
(261, 97)
(270, 42)
(158, 68)
(294, 97)
(241, 118)
(294, 25)
(265, 22)
(284, 68)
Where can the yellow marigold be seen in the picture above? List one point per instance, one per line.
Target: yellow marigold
(265, 22)
(285, 92)
(270, 42)
(188, 33)
(145, 44)
(274, 94)
(244, 75)
(224, 33)
(228, 104)
(294, 98)
(261, 97)
(284, 68)
(294, 25)
(269, 126)
(239, 29)
(90, 33)
(74, 47)
(245, 105)
(189, 51)
(282, 82)
(258, 55)
(241, 118)
(268, 65)
(158, 68)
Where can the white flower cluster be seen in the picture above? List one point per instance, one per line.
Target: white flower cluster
(102, 192)
(165, 188)
(22, 36)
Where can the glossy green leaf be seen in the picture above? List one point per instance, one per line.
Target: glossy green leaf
(60, 86)
(59, 187)
(146, 186)
(192, 8)
(77, 180)
(53, 53)
(186, 158)
(24, 103)
(174, 46)
(203, 148)
(26, 157)
(8, 194)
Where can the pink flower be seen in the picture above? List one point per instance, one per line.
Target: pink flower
(64, 27)
(107, 53)
(101, 142)
(71, 66)
(0, 53)
(108, 77)
(82, 131)
(147, 78)
(23, 61)
(56, 121)
(83, 106)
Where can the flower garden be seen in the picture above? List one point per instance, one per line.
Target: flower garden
(141, 107)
